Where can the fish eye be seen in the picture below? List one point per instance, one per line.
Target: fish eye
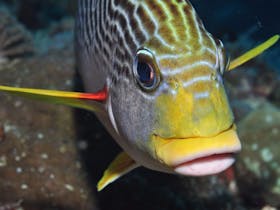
(145, 74)
(145, 70)
(223, 59)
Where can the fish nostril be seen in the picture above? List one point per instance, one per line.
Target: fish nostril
(214, 77)
(174, 84)
(196, 132)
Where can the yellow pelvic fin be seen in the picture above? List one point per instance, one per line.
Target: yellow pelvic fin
(121, 165)
(253, 53)
(73, 99)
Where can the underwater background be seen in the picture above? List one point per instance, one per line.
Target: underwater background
(51, 157)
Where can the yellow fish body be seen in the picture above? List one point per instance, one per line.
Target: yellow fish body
(154, 77)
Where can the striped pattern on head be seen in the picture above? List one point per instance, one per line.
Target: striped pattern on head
(116, 29)
(162, 72)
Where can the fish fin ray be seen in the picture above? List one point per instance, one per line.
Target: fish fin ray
(253, 52)
(73, 99)
(121, 165)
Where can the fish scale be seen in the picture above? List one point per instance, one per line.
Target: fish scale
(154, 79)
(140, 19)
(168, 28)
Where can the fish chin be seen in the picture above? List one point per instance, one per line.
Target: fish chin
(205, 166)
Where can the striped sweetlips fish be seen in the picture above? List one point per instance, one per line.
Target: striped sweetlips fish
(153, 76)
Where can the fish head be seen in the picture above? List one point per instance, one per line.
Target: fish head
(194, 131)
(175, 109)
(172, 113)
(191, 99)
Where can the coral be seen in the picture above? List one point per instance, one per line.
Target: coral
(60, 35)
(254, 82)
(274, 97)
(15, 41)
(40, 14)
(258, 164)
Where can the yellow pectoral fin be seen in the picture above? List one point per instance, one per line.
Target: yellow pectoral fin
(121, 165)
(253, 53)
(73, 99)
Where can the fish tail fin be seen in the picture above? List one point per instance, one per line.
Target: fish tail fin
(73, 99)
(253, 52)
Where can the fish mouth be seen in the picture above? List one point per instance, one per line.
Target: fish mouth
(198, 156)
(208, 165)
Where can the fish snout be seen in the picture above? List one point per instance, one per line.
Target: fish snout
(191, 114)
(198, 156)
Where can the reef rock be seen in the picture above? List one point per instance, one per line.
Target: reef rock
(40, 166)
(258, 165)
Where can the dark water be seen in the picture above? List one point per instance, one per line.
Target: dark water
(255, 182)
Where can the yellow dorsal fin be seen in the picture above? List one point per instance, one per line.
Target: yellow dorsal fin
(253, 53)
(73, 99)
(121, 165)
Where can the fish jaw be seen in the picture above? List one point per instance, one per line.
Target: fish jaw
(198, 156)
(205, 166)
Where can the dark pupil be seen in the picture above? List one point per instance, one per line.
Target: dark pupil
(145, 74)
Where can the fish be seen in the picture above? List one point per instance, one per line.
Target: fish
(153, 76)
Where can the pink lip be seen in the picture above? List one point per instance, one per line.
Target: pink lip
(208, 165)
